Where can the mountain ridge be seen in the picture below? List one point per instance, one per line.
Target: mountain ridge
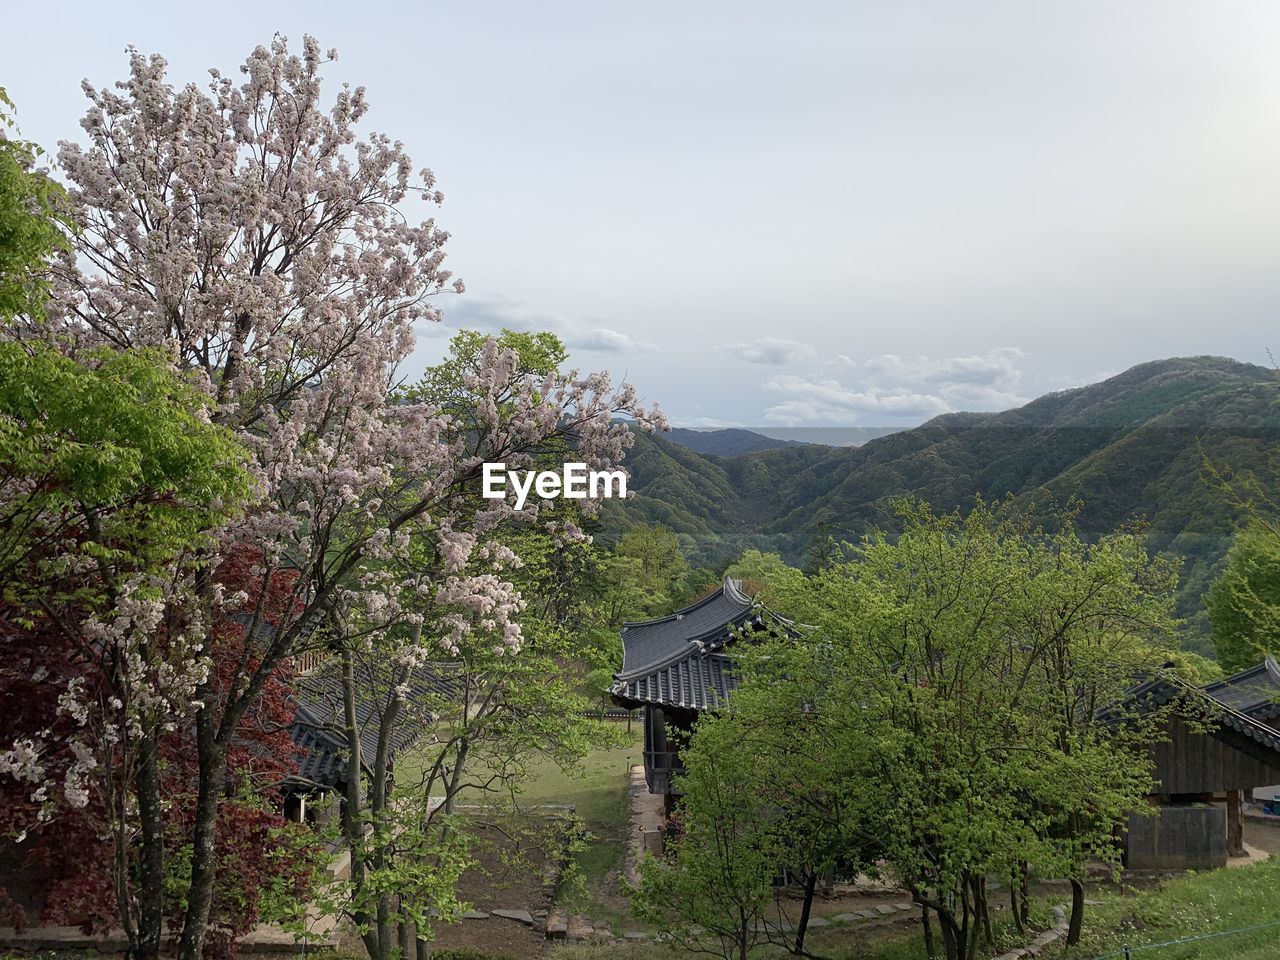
(1131, 448)
(725, 442)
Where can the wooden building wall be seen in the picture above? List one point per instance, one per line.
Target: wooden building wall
(1191, 762)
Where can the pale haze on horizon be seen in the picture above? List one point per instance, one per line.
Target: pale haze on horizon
(795, 215)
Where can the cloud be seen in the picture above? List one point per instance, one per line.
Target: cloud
(604, 340)
(494, 314)
(771, 351)
(705, 423)
(899, 388)
(829, 400)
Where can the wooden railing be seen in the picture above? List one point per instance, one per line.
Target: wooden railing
(306, 662)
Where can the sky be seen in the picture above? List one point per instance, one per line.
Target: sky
(800, 214)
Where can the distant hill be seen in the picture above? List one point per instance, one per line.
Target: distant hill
(830, 436)
(1133, 447)
(734, 441)
(724, 443)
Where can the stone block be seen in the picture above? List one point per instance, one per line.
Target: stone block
(523, 916)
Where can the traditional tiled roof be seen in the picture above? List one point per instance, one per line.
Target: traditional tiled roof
(694, 683)
(1254, 692)
(675, 661)
(1164, 690)
(318, 725)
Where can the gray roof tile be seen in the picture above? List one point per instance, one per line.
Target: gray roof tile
(317, 728)
(674, 661)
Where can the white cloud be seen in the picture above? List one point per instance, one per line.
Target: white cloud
(812, 400)
(705, 423)
(492, 314)
(900, 388)
(771, 351)
(604, 340)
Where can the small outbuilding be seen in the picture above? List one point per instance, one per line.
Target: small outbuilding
(1217, 750)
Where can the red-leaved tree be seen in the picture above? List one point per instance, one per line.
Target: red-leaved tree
(65, 868)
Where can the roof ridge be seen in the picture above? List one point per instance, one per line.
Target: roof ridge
(692, 646)
(1246, 673)
(737, 597)
(1258, 730)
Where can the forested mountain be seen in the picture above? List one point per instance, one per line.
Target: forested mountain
(1134, 447)
(729, 442)
(732, 441)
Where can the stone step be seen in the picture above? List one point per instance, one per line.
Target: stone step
(522, 916)
(557, 925)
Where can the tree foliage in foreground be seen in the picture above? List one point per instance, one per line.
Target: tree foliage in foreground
(34, 222)
(1244, 602)
(503, 690)
(112, 485)
(940, 717)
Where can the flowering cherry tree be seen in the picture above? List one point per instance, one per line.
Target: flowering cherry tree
(247, 229)
(112, 485)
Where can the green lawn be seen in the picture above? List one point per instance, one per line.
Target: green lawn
(1191, 906)
(600, 794)
(598, 791)
(1215, 902)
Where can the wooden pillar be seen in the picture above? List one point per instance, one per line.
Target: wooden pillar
(1235, 825)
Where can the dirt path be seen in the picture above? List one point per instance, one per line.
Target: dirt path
(644, 823)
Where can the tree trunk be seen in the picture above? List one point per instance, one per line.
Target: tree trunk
(404, 937)
(810, 885)
(969, 926)
(151, 822)
(1024, 894)
(353, 810)
(930, 945)
(984, 912)
(1015, 908)
(953, 940)
(1235, 825)
(1077, 912)
(211, 759)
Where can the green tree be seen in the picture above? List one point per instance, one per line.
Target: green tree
(822, 550)
(659, 569)
(445, 384)
(713, 889)
(798, 766)
(505, 689)
(758, 570)
(933, 662)
(34, 220)
(1089, 618)
(112, 483)
(1244, 602)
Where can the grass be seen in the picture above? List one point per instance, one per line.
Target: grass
(600, 795)
(1219, 901)
(1190, 906)
(598, 791)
